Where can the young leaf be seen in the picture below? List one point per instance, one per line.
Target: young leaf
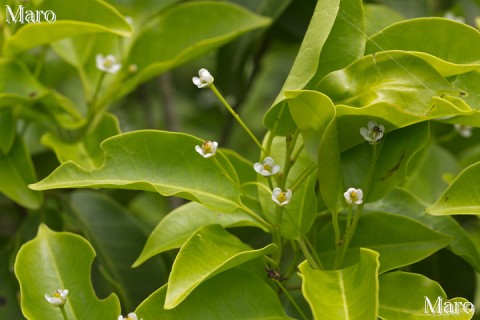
(350, 293)
(385, 233)
(233, 294)
(411, 296)
(462, 196)
(175, 229)
(60, 260)
(160, 161)
(111, 230)
(200, 27)
(75, 17)
(306, 63)
(210, 251)
(398, 78)
(448, 48)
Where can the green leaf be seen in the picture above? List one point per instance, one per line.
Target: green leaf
(350, 293)
(403, 202)
(305, 65)
(179, 225)
(224, 296)
(448, 49)
(19, 86)
(385, 233)
(314, 114)
(394, 154)
(111, 229)
(160, 47)
(7, 130)
(160, 161)
(60, 260)
(403, 296)
(346, 41)
(209, 251)
(86, 150)
(377, 17)
(16, 172)
(73, 18)
(397, 78)
(426, 171)
(462, 196)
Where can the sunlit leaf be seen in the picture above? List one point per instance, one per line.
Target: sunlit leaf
(350, 293)
(210, 251)
(403, 296)
(175, 229)
(160, 161)
(60, 260)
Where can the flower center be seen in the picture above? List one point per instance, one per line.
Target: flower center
(207, 147)
(57, 294)
(267, 167)
(108, 63)
(282, 197)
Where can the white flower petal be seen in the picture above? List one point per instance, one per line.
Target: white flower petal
(204, 78)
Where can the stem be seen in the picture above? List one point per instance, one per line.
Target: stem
(40, 61)
(307, 255)
(257, 218)
(236, 116)
(311, 168)
(97, 90)
(64, 313)
(290, 298)
(278, 233)
(288, 158)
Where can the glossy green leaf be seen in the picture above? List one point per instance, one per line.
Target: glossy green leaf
(73, 18)
(385, 233)
(314, 114)
(394, 154)
(209, 251)
(233, 294)
(379, 16)
(7, 130)
(346, 40)
(403, 202)
(160, 47)
(111, 229)
(398, 78)
(16, 172)
(86, 150)
(448, 49)
(175, 229)
(160, 161)
(60, 260)
(305, 65)
(350, 293)
(462, 196)
(411, 296)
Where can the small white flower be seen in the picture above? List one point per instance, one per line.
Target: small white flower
(280, 197)
(464, 131)
(374, 132)
(353, 196)
(59, 297)
(131, 316)
(108, 63)
(207, 149)
(267, 167)
(204, 78)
